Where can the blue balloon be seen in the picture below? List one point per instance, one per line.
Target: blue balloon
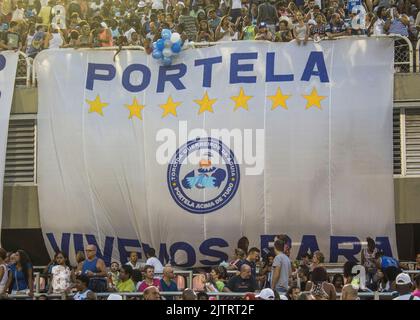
(157, 54)
(154, 46)
(166, 34)
(176, 47)
(160, 44)
(167, 61)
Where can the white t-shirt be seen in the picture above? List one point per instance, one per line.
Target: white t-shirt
(318, 3)
(3, 281)
(60, 278)
(59, 10)
(236, 4)
(138, 265)
(157, 5)
(406, 297)
(153, 261)
(18, 15)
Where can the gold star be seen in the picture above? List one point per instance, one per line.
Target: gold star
(313, 99)
(279, 99)
(169, 107)
(135, 109)
(96, 105)
(241, 100)
(205, 104)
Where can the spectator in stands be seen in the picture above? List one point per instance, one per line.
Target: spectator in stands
(11, 39)
(267, 269)
(202, 296)
(264, 33)
(37, 42)
(167, 282)
(153, 261)
(60, 274)
(151, 293)
(4, 271)
(46, 13)
(265, 294)
(215, 283)
(281, 269)
(336, 27)
(134, 261)
(244, 282)
(204, 33)
(338, 282)
(319, 288)
(404, 287)
(83, 291)
(300, 29)
(95, 269)
(114, 274)
(303, 276)
(368, 260)
(136, 276)
(251, 260)
(238, 257)
(188, 294)
(125, 284)
(284, 34)
(350, 288)
(19, 13)
(293, 293)
(396, 23)
(20, 280)
(213, 19)
(378, 22)
(53, 39)
(225, 32)
(149, 279)
(416, 292)
(267, 13)
(417, 267)
(189, 22)
(317, 260)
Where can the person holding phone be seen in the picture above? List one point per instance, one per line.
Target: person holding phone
(11, 39)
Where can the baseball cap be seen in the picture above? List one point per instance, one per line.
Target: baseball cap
(262, 25)
(266, 294)
(114, 296)
(141, 4)
(104, 25)
(403, 279)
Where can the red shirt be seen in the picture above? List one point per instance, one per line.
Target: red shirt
(144, 285)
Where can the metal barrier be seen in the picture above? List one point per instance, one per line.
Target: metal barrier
(24, 68)
(403, 55)
(418, 55)
(362, 295)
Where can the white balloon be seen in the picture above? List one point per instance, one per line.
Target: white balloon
(175, 37)
(167, 52)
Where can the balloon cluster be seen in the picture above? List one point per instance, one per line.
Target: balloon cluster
(166, 47)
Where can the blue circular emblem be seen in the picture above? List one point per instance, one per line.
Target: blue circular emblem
(203, 175)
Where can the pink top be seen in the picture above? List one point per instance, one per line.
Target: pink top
(416, 293)
(144, 285)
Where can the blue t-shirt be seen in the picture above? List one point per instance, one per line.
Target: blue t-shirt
(172, 286)
(353, 3)
(19, 281)
(387, 262)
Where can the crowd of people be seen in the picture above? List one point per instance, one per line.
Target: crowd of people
(34, 25)
(270, 277)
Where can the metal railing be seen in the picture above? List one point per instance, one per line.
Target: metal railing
(24, 70)
(361, 295)
(418, 55)
(403, 55)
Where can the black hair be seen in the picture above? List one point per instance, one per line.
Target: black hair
(127, 269)
(13, 24)
(336, 276)
(305, 270)
(370, 242)
(243, 244)
(151, 252)
(347, 269)
(391, 273)
(3, 254)
(417, 280)
(66, 258)
(83, 279)
(136, 275)
(25, 264)
(319, 274)
(254, 249)
(201, 295)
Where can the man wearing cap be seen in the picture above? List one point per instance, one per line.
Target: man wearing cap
(267, 13)
(265, 294)
(404, 287)
(263, 33)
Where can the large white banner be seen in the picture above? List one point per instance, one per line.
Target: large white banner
(8, 65)
(240, 139)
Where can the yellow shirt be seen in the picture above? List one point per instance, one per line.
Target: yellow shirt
(126, 286)
(6, 7)
(45, 14)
